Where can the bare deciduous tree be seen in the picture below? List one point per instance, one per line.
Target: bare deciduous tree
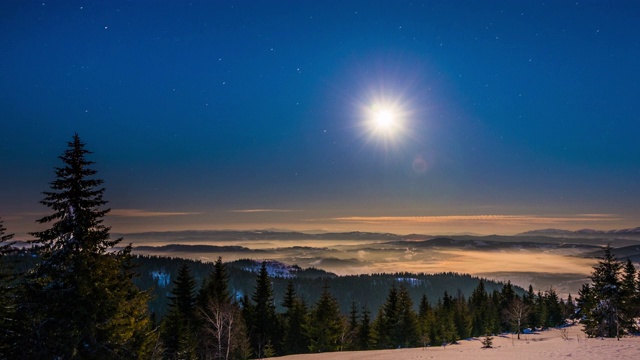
(225, 329)
(516, 313)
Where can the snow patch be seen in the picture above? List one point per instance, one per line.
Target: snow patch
(275, 269)
(163, 278)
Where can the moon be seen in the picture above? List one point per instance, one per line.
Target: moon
(384, 119)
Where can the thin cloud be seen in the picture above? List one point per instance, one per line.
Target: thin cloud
(262, 210)
(145, 213)
(519, 219)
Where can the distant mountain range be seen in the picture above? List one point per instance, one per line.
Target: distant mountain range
(583, 232)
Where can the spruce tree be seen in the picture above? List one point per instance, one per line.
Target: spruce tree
(541, 310)
(353, 325)
(608, 295)
(629, 306)
(462, 317)
(264, 326)
(608, 306)
(569, 310)
(179, 327)
(216, 287)
(7, 300)
(529, 300)
(387, 320)
(445, 324)
(487, 342)
(426, 320)
(325, 323)
(364, 330)
(5, 240)
(295, 340)
(80, 300)
(585, 302)
(555, 316)
(479, 303)
(407, 333)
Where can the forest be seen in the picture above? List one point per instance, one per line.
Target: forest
(76, 293)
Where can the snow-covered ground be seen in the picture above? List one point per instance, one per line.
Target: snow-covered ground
(550, 344)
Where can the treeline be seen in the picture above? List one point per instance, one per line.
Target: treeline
(211, 323)
(364, 289)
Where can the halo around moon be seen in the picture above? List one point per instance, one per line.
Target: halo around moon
(384, 120)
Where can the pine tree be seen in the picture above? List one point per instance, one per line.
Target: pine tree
(353, 326)
(608, 296)
(569, 310)
(487, 342)
(629, 306)
(479, 305)
(584, 304)
(554, 310)
(462, 317)
(7, 300)
(80, 300)
(446, 328)
(295, 340)
(387, 320)
(607, 306)
(541, 310)
(529, 300)
(289, 298)
(264, 325)
(364, 330)
(179, 327)
(216, 287)
(325, 323)
(5, 240)
(407, 333)
(426, 320)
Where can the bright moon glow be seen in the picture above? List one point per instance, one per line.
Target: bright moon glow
(384, 120)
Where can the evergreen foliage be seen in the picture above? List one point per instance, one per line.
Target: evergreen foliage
(263, 322)
(487, 342)
(79, 301)
(295, 340)
(363, 339)
(222, 330)
(396, 324)
(178, 332)
(479, 301)
(352, 331)
(426, 321)
(326, 324)
(629, 304)
(7, 293)
(607, 307)
(5, 240)
(462, 317)
(216, 287)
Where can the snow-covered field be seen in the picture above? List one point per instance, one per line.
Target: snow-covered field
(550, 344)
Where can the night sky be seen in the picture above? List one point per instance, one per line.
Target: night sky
(505, 115)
